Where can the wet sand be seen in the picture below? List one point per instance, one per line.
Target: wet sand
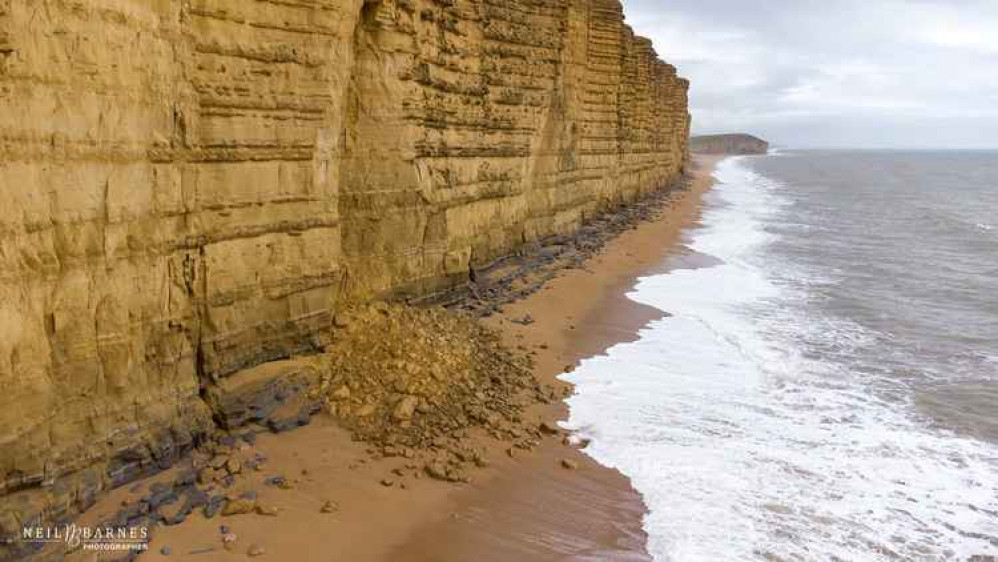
(525, 507)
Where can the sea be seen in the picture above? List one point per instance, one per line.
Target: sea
(824, 382)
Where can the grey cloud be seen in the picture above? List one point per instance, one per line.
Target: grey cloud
(889, 73)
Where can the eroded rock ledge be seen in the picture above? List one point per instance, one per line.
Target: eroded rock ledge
(190, 189)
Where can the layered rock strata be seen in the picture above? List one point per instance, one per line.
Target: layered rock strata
(190, 189)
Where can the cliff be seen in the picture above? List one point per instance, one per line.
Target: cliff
(728, 144)
(190, 190)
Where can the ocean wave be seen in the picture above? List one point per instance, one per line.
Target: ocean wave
(749, 433)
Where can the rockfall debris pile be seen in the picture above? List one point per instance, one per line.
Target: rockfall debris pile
(413, 382)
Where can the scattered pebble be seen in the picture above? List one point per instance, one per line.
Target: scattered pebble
(238, 507)
(549, 428)
(524, 321)
(279, 481)
(229, 541)
(266, 510)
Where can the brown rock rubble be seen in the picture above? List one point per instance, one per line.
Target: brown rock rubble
(407, 378)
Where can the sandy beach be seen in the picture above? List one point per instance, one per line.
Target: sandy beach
(522, 506)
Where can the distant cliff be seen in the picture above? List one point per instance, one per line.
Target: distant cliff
(736, 143)
(191, 189)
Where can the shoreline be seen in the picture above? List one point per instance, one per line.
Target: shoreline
(533, 510)
(524, 506)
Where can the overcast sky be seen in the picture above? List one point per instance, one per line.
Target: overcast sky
(847, 73)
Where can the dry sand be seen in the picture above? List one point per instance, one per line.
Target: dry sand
(526, 507)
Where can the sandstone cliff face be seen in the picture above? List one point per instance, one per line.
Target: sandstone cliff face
(191, 188)
(734, 143)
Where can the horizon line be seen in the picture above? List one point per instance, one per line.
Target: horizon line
(896, 148)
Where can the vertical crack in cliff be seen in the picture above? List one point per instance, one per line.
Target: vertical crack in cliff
(205, 380)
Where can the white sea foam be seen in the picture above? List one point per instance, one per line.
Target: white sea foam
(745, 445)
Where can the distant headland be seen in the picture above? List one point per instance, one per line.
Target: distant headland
(733, 143)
